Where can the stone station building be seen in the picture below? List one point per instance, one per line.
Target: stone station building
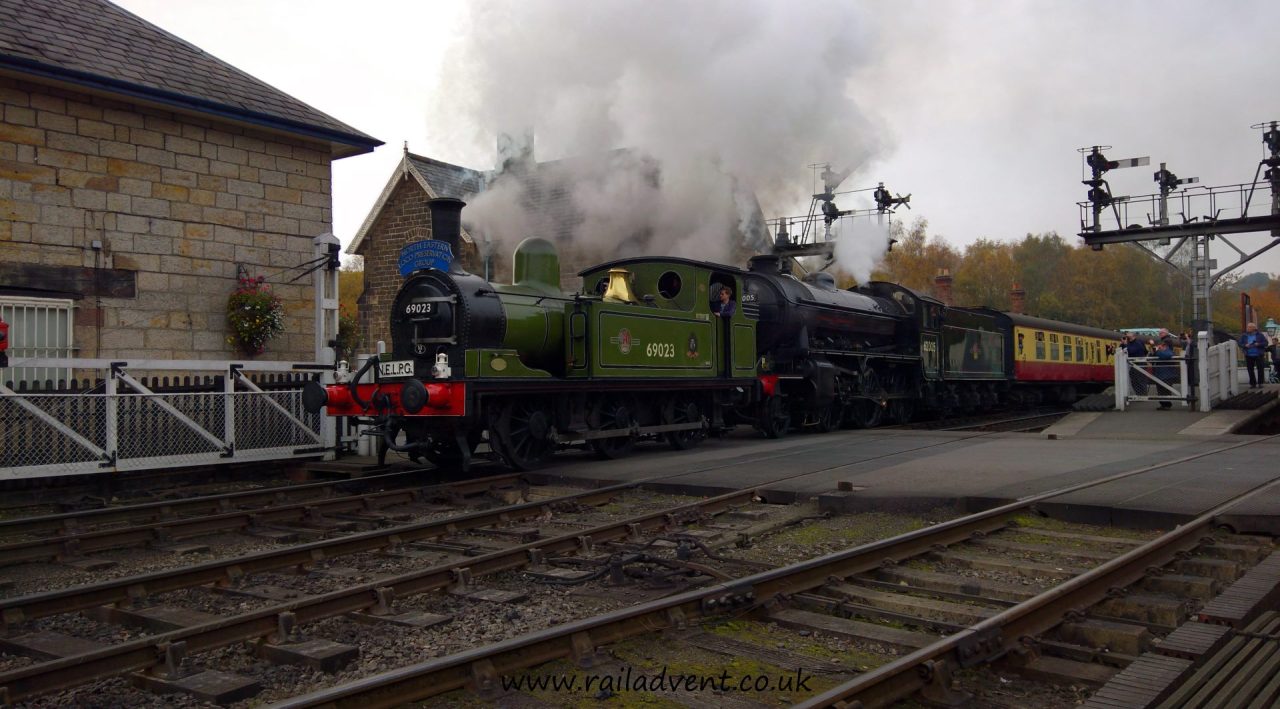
(138, 177)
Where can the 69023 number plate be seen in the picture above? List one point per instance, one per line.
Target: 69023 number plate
(398, 368)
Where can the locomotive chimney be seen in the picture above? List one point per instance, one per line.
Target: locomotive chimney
(446, 223)
(942, 286)
(1018, 300)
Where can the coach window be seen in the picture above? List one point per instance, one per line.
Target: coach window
(1066, 349)
(1039, 345)
(1053, 347)
(1079, 349)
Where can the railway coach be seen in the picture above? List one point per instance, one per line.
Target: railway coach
(1051, 360)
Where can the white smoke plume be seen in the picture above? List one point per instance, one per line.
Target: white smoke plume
(859, 245)
(714, 101)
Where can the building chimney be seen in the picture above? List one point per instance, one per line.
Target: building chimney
(446, 224)
(1018, 300)
(942, 286)
(515, 152)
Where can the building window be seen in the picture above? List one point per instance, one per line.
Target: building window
(38, 327)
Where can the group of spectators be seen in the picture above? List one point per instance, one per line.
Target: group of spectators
(1257, 346)
(1163, 347)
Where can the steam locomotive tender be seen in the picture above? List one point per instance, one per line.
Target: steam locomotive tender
(640, 351)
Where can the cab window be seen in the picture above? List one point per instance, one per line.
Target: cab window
(669, 285)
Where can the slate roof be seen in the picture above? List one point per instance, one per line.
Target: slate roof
(448, 180)
(99, 46)
(436, 178)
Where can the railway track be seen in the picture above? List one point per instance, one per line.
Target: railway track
(580, 552)
(374, 600)
(997, 422)
(128, 599)
(992, 634)
(143, 513)
(235, 512)
(1013, 424)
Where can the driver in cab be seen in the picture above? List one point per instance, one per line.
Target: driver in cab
(724, 306)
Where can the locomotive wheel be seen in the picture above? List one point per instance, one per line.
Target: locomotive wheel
(613, 414)
(900, 411)
(444, 452)
(522, 433)
(828, 419)
(775, 418)
(867, 412)
(682, 411)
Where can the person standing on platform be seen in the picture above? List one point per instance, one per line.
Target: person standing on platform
(1254, 344)
(1133, 347)
(1166, 370)
(1167, 338)
(1275, 357)
(1189, 353)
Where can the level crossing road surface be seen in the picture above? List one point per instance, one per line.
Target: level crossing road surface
(904, 470)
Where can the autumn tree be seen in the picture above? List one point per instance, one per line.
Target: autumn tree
(916, 258)
(985, 275)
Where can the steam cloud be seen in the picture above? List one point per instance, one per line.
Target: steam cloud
(858, 246)
(713, 102)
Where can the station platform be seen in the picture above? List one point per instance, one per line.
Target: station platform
(915, 471)
(1145, 419)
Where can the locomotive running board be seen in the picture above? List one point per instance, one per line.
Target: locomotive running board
(570, 436)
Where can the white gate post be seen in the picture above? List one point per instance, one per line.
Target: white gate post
(1184, 387)
(111, 444)
(1203, 355)
(1230, 370)
(229, 408)
(1122, 379)
(326, 293)
(327, 247)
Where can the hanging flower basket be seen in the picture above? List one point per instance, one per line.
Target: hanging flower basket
(254, 316)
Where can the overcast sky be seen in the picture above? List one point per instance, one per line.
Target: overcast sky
(976, 108)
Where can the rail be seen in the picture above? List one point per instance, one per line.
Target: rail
(1002, 633)
(121, 422)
